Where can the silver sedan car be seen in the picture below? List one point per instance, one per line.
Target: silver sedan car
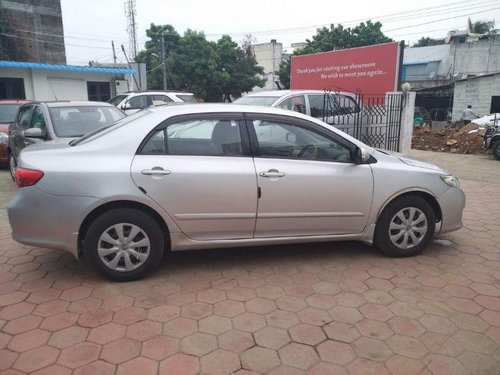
(206, 176)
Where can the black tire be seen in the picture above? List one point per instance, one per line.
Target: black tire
(496, 150)
(150, 232)
(395, 247)
(12, 166)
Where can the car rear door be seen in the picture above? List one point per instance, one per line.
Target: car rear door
(200, 170)
(308, 181)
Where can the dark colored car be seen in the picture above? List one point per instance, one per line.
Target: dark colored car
(492, 140)
(52, 121)
(8, 111)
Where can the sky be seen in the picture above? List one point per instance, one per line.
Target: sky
(91, 25)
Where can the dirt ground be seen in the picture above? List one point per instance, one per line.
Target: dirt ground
(456, 139)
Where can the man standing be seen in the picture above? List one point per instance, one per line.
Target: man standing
(468, 115)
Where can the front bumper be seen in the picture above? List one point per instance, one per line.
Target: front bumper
(45, 220)
(452, 203)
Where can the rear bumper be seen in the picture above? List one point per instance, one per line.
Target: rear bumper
(452, 203)
(45, 220)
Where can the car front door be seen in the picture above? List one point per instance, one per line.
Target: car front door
(200, 170)
(16, 135)
(308, 181)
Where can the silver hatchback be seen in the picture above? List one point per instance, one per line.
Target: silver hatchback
(206, 176)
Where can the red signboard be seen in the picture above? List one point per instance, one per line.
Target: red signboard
(368, 70)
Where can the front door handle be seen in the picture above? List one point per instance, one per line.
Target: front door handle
(272, 173)
(156, 171)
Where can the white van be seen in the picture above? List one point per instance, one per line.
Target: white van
(132, 102)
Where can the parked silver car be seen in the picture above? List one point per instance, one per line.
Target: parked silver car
(206, 176)
(51, 121)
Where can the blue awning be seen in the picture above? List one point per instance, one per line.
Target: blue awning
(64, 68)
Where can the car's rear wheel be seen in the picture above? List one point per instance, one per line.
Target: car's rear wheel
(12, 166)
(405, 226)
(124, 244)
(496, 150)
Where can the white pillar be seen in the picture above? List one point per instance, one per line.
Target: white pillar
(407, 121)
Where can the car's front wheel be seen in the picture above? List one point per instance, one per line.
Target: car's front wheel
(124, 244)
(496, 150)
(405, 226)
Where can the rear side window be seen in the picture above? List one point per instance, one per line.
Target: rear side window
(209, 137)
(161, 99)
(187, 98)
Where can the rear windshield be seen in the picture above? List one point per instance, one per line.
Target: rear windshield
(72, 122)
(266, 101)
(117, 99)
(186, 98)
(8, 112)
(106, 129)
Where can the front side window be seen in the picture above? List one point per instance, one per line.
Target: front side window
(295, 103)
(289, 141)
(38, 120)
(137, 102)
(209, 137)
(25, 116)
(346, 104)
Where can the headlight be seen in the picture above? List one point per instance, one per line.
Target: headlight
(450, 181)
(3, 138)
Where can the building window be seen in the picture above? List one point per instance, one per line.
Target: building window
(12, 88)
(99, 91)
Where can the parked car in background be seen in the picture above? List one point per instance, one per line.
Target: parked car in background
(8, 111)
(48, 121)
(132, 102)
(492, 140)
(223, 175)
(339, 106)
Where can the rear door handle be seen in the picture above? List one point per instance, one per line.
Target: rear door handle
(156, 171)
(272, 173)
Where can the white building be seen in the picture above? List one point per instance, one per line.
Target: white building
(44, 82)
(269, 56)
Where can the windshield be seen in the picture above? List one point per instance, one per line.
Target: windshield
(106, 129)
(71, 122)
(266, 101)
(186, 98)
(8, 112)
(117, 99)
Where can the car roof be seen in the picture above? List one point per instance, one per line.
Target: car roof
(157, 93)
(73, 103)
(14, 101)
(281, 93)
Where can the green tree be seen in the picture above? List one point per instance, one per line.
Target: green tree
(213, 71)
(423, 42)
(334, 38)
(480, 27)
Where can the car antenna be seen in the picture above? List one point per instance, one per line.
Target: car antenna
(52, 88)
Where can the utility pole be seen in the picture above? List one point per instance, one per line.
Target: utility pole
(164, 62)
(114, 53)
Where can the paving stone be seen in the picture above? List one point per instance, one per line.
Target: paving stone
(298, 355)
(336, 352)
(220, 362)
(198, 344)
(259, 359)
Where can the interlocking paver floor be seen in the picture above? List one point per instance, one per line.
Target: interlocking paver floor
(318, 309)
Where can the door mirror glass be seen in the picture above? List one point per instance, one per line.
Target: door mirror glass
(33, 133)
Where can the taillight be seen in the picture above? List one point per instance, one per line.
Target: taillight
(27, 177)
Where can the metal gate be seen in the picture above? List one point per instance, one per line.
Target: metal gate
(373, 119)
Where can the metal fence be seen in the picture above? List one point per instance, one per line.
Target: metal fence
(373, 119)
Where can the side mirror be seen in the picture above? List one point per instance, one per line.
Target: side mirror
(34, 133)
(362, 156)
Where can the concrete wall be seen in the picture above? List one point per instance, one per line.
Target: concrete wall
(476, 92)
(55, 85)
(482, 56)
(37, 28)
